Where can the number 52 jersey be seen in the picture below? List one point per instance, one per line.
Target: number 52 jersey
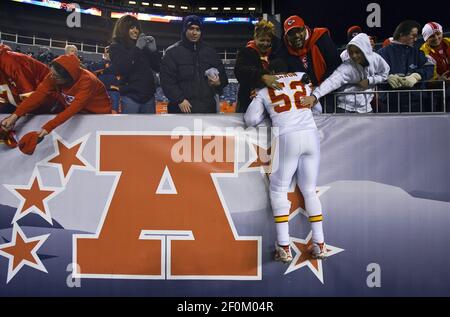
(283, 106)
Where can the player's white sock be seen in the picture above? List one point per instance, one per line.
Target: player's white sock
(282, 226)
(281, 206)
(317, 228)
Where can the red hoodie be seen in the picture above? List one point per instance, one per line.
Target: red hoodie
(20, 75)
(87, 94)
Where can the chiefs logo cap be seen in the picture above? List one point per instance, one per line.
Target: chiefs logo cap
(293, 22)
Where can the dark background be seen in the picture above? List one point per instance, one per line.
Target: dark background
(337, 16)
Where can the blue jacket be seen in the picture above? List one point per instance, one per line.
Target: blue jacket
(405, 60)
(106, 73)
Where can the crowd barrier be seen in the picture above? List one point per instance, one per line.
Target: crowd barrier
(174, 205)
(387, 100)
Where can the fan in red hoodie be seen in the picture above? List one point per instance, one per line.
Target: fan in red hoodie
(20, 75)
(77, 89)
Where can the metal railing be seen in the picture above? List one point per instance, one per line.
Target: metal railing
(395, 100)
(49, 42)
(228, 57)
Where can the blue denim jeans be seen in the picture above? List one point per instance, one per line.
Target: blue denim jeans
(130, 106)
(115, 99)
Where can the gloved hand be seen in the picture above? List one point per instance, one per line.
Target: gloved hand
(28, 143)
(8, 123)
(411, 80)
(141, 41)
(151, 43)
(213, 77)
(394, 81)
(212, 73)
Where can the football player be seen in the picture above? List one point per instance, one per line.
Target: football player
(298, 153)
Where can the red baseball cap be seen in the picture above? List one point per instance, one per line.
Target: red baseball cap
(292, 22)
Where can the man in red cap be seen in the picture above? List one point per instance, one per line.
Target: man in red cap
(77, 89)
(308, 50)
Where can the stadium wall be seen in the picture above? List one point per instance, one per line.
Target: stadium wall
(105, 192)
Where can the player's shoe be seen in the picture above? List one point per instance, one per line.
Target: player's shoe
(319, 251)
(283, 253)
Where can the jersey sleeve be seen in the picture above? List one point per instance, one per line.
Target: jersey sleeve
(256, 110)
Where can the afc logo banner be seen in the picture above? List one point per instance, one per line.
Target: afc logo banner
(160, 223)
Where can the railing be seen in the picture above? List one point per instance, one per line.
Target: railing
(228, 58)
(49, 42)
(395, 101)
(382, 99)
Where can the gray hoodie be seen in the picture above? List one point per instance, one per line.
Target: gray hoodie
(347, 76)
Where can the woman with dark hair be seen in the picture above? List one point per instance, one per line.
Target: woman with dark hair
(135, 57)
(252, 64)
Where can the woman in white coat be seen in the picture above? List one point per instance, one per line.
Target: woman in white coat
(360, 73)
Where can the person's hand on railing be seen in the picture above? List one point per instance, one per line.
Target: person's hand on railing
(364, 84)
(185, 106)
(411, 80)
(394, 81)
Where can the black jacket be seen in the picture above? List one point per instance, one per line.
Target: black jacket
(248, 71)
(327, 49)
(183, 76)
(135, 67)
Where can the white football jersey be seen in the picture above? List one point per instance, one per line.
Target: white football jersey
(283, 106)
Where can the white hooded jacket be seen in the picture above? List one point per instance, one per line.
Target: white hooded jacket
(347, 76)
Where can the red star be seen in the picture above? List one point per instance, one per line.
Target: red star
(296, 199)
(67, 157)
(21, 251)
(34, 196)
(306, 254)
(303, 257)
